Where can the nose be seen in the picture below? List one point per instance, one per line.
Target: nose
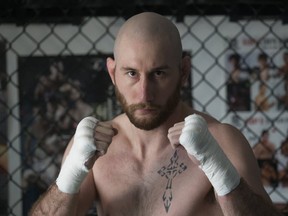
(146, 89)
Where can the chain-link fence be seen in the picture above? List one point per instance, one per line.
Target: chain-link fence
(53, 73)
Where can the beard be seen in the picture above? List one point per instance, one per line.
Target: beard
(155, 120)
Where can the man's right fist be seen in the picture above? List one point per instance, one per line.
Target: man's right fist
(102, 136)
(91, 137)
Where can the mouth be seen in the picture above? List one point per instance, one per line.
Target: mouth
(146, 111)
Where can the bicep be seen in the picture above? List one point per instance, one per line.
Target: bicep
(239, 152)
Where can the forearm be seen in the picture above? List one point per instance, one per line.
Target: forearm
(55, 202)
(243, 201)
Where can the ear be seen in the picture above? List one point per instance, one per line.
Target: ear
(110, 64)
(185, 69)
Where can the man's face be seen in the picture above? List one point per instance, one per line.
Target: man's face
(147, 80)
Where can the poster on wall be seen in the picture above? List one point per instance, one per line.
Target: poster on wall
(257, 101)
(3, 132)
(56, 93)
(257, 74)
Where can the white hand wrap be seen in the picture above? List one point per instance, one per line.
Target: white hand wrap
(198, 141)
(73, 170)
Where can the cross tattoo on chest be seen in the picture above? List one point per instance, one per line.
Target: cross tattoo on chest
(170, 172)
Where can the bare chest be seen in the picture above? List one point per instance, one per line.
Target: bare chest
(170, 186)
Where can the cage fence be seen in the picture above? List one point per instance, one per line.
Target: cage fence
(53, 73)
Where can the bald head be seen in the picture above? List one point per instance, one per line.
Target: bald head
(149, 27)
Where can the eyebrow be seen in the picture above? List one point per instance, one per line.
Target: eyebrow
(163, 67)
(127, 69)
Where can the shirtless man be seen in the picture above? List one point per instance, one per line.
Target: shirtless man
(158, 158)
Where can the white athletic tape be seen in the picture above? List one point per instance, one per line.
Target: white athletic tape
(73, 170)
(198, 141)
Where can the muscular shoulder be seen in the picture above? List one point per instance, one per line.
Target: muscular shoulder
(227, 136)
(232, 141)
